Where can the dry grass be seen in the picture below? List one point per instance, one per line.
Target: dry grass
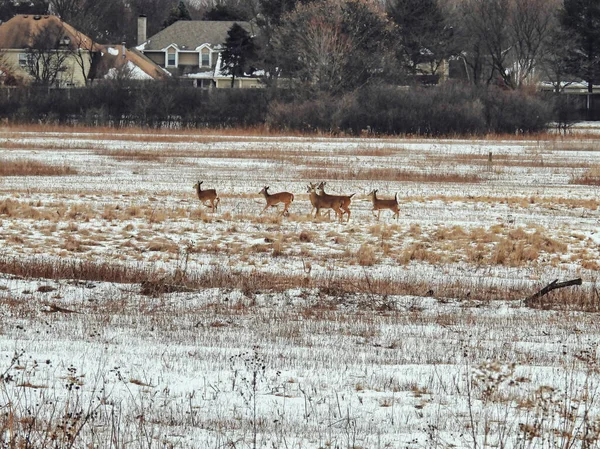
(26, 167)
(590, 177)
(83, 212)
(366, 255)
(155, 281)
(134, 155)
(514, 201)
(531, 159)
(387, 174)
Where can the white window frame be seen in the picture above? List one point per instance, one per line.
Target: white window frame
(167, 54)
(23, 59)
(208, 55)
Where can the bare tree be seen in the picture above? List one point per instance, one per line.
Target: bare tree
(46, 60)
(104, 21)
(504, 39)
(82, 51)
(530, 27)
(312, 47)
(553, 61)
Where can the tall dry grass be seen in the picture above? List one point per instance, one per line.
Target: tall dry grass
(26, 167)
(155, 281)
(590, 177)
(387, 174)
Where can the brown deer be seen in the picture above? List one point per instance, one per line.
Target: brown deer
(380, 204)
(344, 200)
(209, 195)
(273, 200)
(319, 202)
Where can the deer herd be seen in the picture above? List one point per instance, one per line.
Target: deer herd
(319, 199)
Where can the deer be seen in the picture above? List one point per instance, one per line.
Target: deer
(273, 200)
(344, 200)
(209, 195)
(380, 204)
(320, 202)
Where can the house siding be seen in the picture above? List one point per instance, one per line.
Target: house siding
(189, 59)
(156, 57)
(72, 74)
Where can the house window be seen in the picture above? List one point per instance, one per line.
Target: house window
(23, 59)
(205, 59)
(171, 60)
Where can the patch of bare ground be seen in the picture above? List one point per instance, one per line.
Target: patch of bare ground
(26, 167)
(387, 174)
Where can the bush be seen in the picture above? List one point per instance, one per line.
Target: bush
(448, 109)
(152, 105)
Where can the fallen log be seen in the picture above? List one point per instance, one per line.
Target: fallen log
(551, 286)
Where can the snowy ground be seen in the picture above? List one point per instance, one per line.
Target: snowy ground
(303, 367)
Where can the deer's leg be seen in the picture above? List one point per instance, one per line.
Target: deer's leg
(347, 211)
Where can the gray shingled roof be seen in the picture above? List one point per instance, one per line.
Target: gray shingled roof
(191, 34)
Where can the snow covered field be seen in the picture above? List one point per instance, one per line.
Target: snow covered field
(236, 329)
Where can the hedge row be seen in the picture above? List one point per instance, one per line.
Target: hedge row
(449, 109)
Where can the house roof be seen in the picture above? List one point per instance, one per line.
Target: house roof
(139, 66)
(190, 34)
(21, 32)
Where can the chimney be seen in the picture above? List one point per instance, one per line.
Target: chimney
(141, 29)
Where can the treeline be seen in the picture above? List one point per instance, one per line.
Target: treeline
(448, 109)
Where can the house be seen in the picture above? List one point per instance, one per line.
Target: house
(44, 50)
(118, 62)
(191, 49)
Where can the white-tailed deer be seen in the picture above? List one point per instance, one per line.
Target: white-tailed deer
(320, 202)
(276, 198)
(344, 200)
(209, 195)
(379, 204)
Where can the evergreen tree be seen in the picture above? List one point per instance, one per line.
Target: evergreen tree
(179, 12)
(423, 34)
(225, 13)
(580, 20)
(239, 53)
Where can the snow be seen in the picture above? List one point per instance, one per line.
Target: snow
(113, 51)
(133, 70)
(362, 370)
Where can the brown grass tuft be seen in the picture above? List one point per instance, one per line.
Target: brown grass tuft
(591, 177)
(366, 255)
(26, 167)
